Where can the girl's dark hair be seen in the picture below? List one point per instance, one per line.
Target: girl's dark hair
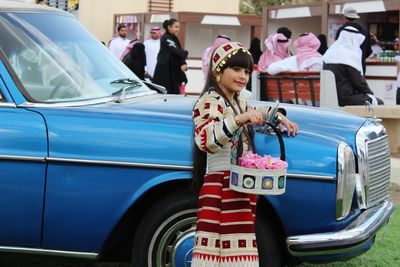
(167, 23)
(243, 60)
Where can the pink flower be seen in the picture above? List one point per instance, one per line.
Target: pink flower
(267, 162)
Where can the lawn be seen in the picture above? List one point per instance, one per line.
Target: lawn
(383, 253)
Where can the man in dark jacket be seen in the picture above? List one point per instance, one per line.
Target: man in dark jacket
(350, 15)
(343, 58)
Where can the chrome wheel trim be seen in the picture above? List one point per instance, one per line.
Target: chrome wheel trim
(172, 238)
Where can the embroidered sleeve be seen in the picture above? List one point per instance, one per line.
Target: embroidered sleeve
(214, 127)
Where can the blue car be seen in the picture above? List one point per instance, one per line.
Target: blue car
(96, 164)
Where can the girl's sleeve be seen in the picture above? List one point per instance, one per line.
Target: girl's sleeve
(212, 129)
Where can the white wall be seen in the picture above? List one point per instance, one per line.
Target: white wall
(336, 21)
(297, 26)
(198, 37)
(97, 15)
(207, 6)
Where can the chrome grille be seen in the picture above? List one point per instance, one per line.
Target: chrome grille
(378, 164)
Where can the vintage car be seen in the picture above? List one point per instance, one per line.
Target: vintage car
(95, 164)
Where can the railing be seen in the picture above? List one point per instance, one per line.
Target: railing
(160, 5)
(291, 87)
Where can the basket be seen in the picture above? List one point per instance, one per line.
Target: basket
(260, 181)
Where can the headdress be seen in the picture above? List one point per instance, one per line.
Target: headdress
(224, 52)
(156, 30)
(350, 13)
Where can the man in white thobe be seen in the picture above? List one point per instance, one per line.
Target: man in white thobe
(120, 42)
(152, 47)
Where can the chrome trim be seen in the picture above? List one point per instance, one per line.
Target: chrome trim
(22, 158)
(369, 131)
(7, 105)
(83, 102)
(360, 230)
(144, 165)
(50, 252)
(122, 163)
(346, 180)
(310, 176)
(67, 104)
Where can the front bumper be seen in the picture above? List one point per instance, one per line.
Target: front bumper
(361, 230)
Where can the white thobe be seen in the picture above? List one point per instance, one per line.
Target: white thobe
(118, 45)
(151, 48)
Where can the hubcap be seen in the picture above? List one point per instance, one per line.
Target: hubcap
(177, 241)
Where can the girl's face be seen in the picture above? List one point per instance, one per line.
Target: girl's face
(174, 29)
(233, 80)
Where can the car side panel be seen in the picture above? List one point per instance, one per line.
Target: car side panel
(85, 202)
(23, 140)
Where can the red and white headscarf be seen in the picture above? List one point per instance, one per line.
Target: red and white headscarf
(306, 47)
(206, 57)
(277, 48)
(156, 30)
(128, 48)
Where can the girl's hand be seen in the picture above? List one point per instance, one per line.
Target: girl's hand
(251, 116)
(292, 128)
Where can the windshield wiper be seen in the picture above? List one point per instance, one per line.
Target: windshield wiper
(129, 85)
(128, 81)
(157, 87)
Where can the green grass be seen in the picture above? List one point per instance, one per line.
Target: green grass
(386, 253)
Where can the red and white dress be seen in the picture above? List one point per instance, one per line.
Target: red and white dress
(225, 234)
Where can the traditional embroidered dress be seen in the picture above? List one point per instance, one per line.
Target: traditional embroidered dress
(225, 234)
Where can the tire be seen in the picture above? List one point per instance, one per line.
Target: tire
(165, 235)
(270, 250)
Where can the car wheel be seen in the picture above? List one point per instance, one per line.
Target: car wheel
(165, 236)
(268, 242)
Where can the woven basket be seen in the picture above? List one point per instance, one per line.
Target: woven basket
(260, 181)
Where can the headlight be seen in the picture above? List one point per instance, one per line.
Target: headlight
(346, 174)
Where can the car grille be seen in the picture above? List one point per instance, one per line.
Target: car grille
(378, 164)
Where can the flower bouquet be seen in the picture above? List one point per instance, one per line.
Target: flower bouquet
(261, 175)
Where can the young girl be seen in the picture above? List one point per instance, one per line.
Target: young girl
(225, 234)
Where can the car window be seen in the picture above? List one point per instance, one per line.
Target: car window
(59, 64)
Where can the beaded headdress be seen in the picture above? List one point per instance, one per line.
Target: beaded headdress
(224, 52)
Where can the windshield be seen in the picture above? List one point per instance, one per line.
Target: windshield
(57, 60)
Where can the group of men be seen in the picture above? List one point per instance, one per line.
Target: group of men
(121, 46)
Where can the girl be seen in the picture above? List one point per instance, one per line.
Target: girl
(225, 234)
(171, 63)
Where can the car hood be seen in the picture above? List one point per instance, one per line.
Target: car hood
(159, 129)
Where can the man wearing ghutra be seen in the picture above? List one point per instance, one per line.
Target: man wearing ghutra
(343, 58)
(152, 47)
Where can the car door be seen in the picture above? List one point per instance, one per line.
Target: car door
(23, 149)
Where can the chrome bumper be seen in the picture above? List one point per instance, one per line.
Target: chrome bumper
(359, 231)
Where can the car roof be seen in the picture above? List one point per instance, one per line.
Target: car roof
(15, 5)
